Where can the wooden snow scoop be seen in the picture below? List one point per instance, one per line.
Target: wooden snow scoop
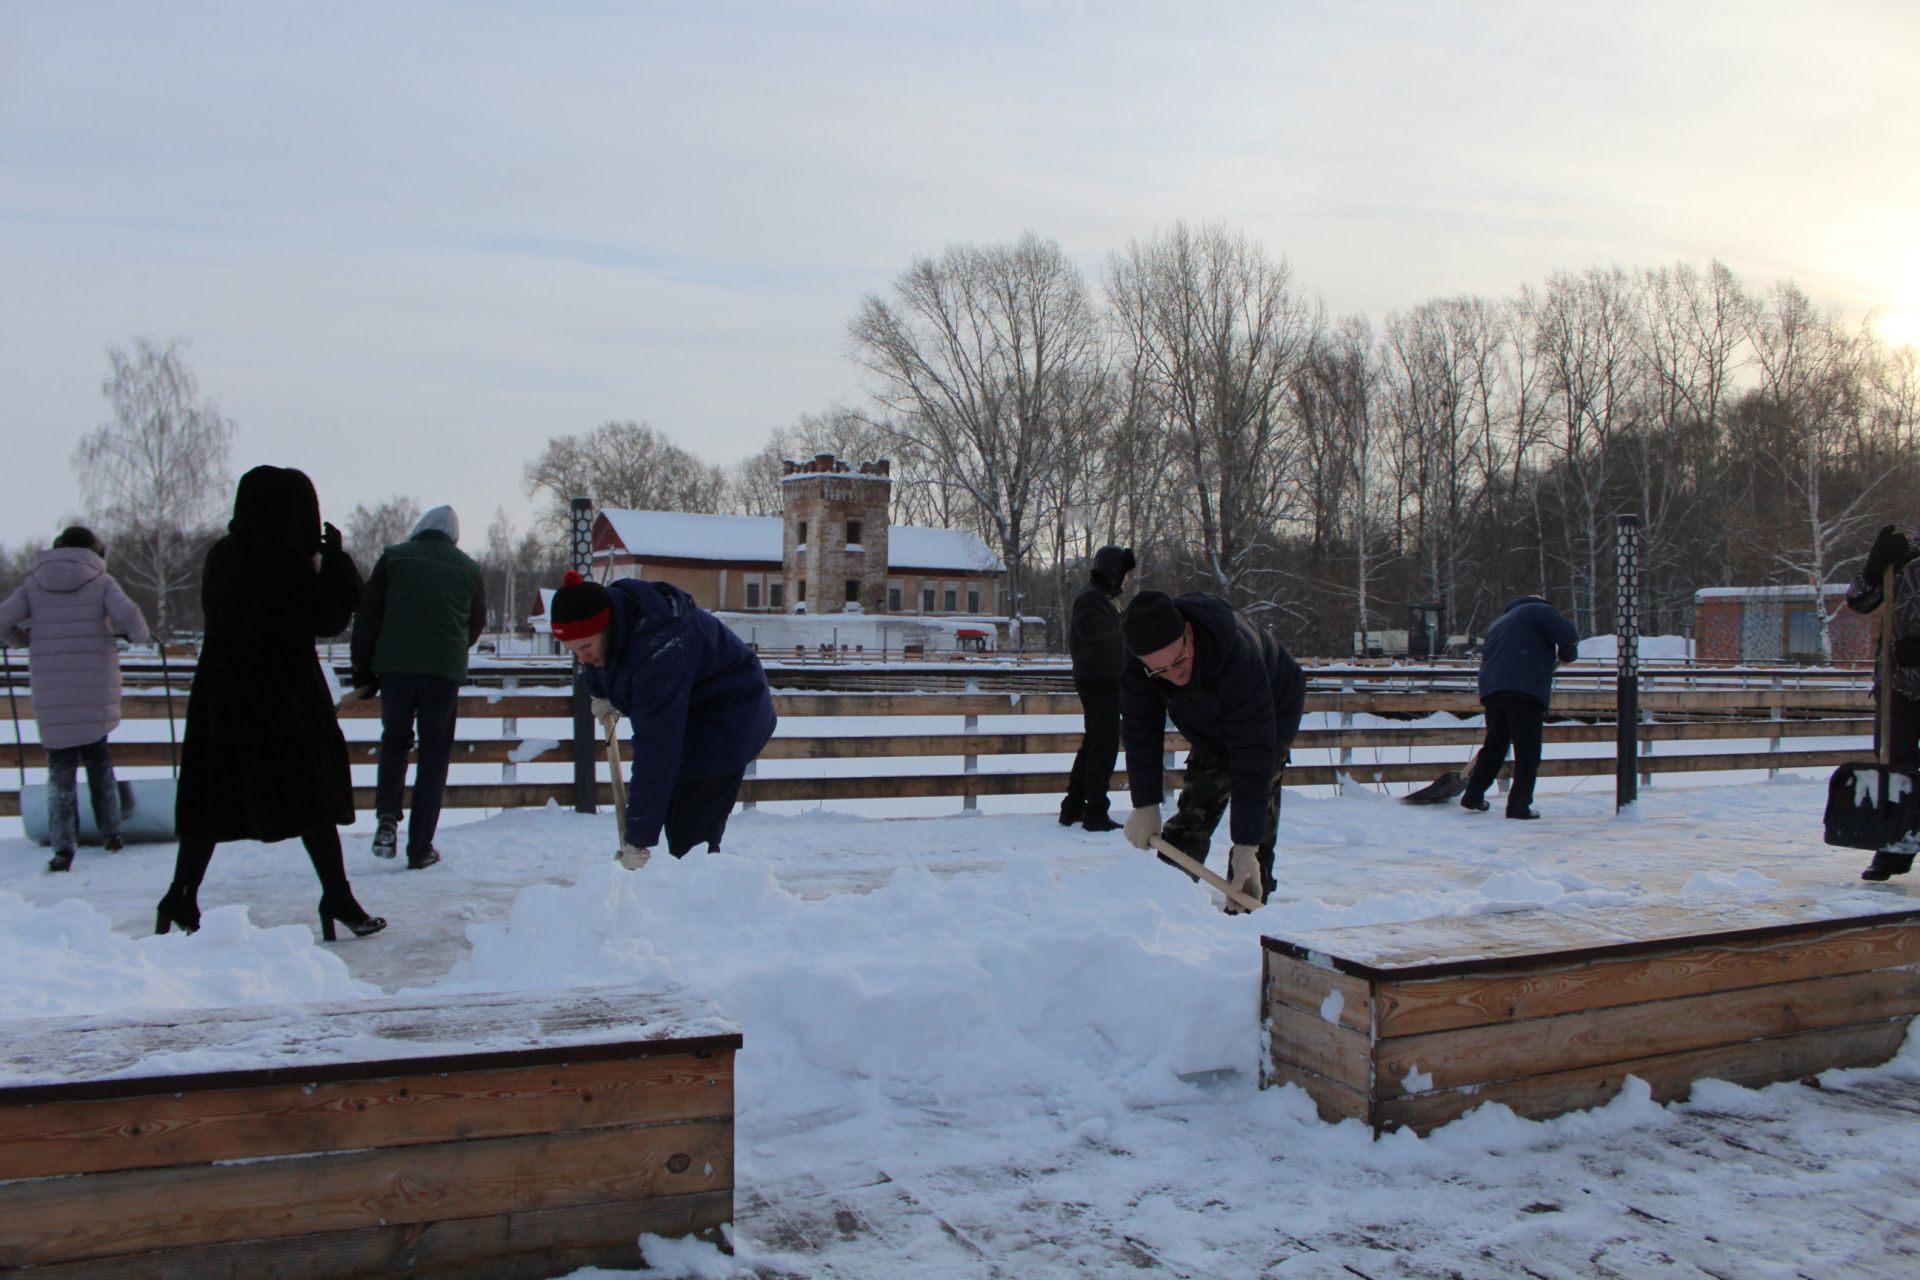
(1179, 859)
(1877, 806)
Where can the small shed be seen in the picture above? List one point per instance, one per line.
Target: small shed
(1778, 624)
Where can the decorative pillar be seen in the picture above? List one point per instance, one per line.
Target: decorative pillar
(586, 797)
(1626, 787)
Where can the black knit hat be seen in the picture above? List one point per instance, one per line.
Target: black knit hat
(581, 608)
(1152, 622)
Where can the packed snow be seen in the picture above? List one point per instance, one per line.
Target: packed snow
(987, 1045)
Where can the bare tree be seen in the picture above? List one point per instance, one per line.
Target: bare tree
(371, 530)
(978, 359)
(620, 464)
(1213, 329)
(156, 475)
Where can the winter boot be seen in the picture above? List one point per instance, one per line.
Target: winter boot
(1886, 865)
(1526, 813)
(1476, 804)
(1069, 813)
(386, 838)
(1100, 822)
(113, 843)
(421, 861)
(62, 860)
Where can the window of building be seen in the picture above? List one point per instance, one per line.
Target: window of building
(893, 598)
(973, 599)
(853, 591)
(753, 595)
(803, 542)
(951, 603)
(776, 594)
(853, 532)
(800, 589)
(926, 600)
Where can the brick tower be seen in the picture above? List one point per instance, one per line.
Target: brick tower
(833, 546)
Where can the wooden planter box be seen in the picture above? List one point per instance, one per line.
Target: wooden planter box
(1546, 1013)
(491, 1136)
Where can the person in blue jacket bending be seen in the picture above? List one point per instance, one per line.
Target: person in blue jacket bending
(695, 696)
(1523, 647)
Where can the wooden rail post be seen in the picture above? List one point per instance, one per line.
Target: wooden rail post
(509, 728)
(971, 764)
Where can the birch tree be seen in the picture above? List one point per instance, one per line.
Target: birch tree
(155, 477)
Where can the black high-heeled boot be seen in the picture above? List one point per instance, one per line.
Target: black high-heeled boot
(178, 908)
(349, 913)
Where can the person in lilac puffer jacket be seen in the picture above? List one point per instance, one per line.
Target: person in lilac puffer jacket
(65, 615)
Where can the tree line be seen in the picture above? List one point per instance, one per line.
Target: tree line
(1197, 403)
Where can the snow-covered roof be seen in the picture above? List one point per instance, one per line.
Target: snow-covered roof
(1797, 592)
(686, 535)
(910, 548)
(682, 535)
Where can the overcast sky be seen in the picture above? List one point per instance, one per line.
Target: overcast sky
(408, 242)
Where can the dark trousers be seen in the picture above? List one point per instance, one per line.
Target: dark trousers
(1903, 748)
(433, 703)
(1515, 720)
(63, 801)
(1099, 748)
(697, 813)
(1206, 795)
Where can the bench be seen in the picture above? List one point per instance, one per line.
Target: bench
(1546, 1012)
(498, 1135)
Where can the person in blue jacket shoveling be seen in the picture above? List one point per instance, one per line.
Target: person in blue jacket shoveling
(693, 692)
(1524, 646)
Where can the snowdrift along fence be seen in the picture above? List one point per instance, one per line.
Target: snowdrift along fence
(1380, 754)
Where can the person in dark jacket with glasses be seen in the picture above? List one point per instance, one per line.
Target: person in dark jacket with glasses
(1236, 694)
(1099, 654)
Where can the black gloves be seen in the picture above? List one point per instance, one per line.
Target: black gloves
(1889, 551)
(363, 680)
(1906, 651)
(330, 537)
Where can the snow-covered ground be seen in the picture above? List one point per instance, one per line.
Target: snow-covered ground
(985, 1045)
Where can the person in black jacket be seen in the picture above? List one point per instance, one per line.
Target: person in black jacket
(1523, 647)
(263, 757)
(1098, 653)
(1897, 551)
(1236, 694)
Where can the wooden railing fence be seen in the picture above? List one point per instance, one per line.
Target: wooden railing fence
(1688, 715)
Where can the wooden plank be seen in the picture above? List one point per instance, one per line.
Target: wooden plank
(1670, 1076)
(1422, 1005)
(68, 1059)
(103, 1214)
(203, 1126)
(1478, 1055)
(509, 1246)
(1307, 1040)
(1334, 1101)
(1307, 987)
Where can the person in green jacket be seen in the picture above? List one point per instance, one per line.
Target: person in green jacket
(425, 605)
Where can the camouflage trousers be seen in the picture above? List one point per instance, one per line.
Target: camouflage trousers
(1205, 798)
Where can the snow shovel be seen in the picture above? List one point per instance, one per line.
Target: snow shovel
(1877, 806)
(1179, 859)
(1440, 790)
(619, 782)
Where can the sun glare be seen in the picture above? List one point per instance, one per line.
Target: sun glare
(1897, 318)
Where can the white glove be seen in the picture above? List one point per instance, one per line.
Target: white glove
(633, 857)
(1243, 871)
(1143, 824)
(601, 707)
(609, 718)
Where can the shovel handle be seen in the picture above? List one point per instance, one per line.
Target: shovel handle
(1180, 859)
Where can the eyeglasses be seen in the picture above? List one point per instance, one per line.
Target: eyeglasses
(1185, 646)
